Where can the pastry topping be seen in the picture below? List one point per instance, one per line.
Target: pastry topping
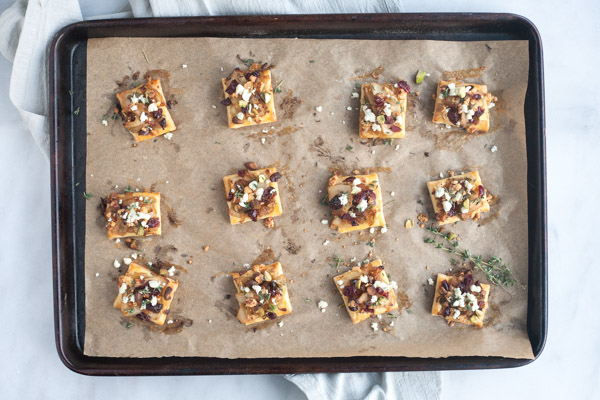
(464, 104)
(252, 194)
(261, 293)
(367, 291)
(129, 214)
(355, 202)
(459, 295)
(380, 106)
(457, 197)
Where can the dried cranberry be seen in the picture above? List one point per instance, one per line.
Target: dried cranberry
(388, 119)
(153, 222)
(349, 179)
(379, 100)
(230, 196)
(335, 203)
(453, 116)
(468, 279)
(481, 191)
(481, 303)
(163, 123)
(446, 311)
(253, 214)
(143, 317)
(478, 112)
(477, 96)
(445, 285)
(350, 291)
(275, 177)
(231, 87)
(167, 294)
(154, 309)
(452, 210)
(269, 193)
(367, 195)
(242, 173)
(157, 114)
(404, 86)
(395, 128)
(253, 73)
(144, 132)
(379, 290)
(386, 295)
(271, 315)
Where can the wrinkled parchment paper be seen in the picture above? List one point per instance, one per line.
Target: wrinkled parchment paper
(306, 145)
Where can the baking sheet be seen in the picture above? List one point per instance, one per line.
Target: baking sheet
(306, 146)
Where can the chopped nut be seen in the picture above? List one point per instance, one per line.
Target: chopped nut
(251, 165)
(132, 244)
(269, 223)
(268, 276)
(422, 218)
(206, 248)
(189, 261)
(409, 223)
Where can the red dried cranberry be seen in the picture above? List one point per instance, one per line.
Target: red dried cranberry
(349, 179)
(269, 193)
(163, 123)
(478, 112)
(242, 173)
(404, 86)
(271, 315)
(445, 285)
(477, 96)
(253, 214)
(453, 115)
(446, 311)
(157, 114)
(153, 222)
(468, 280)
(230, 196)
(388, 119)
(386, 295)
(395, 128)
(143, 317)
(481, 191)
(275, 177)
(350, 292)
(231, 87)
(226, 102)
(379, 100)
(452, 210)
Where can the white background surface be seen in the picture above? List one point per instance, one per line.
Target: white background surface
(568, 368)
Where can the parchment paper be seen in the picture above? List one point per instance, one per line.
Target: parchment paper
(306, 146)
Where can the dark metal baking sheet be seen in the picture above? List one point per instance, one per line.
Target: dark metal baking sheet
(67, 72)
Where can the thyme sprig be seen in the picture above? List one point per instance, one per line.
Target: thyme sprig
(496, 270)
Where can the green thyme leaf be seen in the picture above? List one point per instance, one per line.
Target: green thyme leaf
(87, 195)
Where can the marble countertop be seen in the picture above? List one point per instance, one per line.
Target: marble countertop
(569, 367)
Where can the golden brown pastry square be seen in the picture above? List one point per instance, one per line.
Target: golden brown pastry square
(145, 294)
(261, 293)
(383, 110)
(355, 202)
(458, 298)
(252, 195)
(132, 214)
(464, 105)
(249, 97)
(458, 198)
(145, 111)
(367, 291)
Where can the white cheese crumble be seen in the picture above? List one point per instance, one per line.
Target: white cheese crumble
(134, 256)
(239, 89)
(259, 193)
(397, 147)
(369, 115)
(362, 205)
(118, 240)
(117, 264)
(263, 140)
(213, 106)
(154, 300)
(133, 108)
(364, 279)
(375, 326)
(447, 206)
(152, 107)
(476, 289)
(256, 288)
(168, 136)
(468, 185)
(456, 314)
(349, 108)
(494, 149)
(430, 282)
(325, 243)
(340, 283)
(97, 274)
(355, 190)
(343, 199)
(373, 299)
(355, 95)
(171, 271)
(322, 305)
(392, 194)
(104, 122)
(439, 192)
(372, 230)
(143, 117)
(154, 284)
(373, 152)
(376, 128)
(492, 105)
(280, 324)
(399, 119)
(246, 95)
(387, 109)
(324, 221)
(240, 116)
(384, 229)
(122, 288)
(127, 260)
(253, 185)
(183, 65)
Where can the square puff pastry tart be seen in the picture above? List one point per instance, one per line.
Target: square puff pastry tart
(145, 111)
(249, 97)
(383, 110)
(464, 105)
(262, 293)
(145, 294)
(367, 291)
(252, 195)
(132, 214)
(355, 202)
(458, 198)
(459, 299)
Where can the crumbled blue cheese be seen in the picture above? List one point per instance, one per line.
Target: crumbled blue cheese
(369, 115)
(447, 206)
(246, 95)
(240, 115)
(475, 288)
(491, 105)
(473, 306)
(343, 199)
(133, 107)
(352, 214)
(355, 190)
(349, 108)
(263, 140)
(259, 193)
(387, 109)
(104, 122)
(384, 229)
(152, 107)
(154, 284)
(439, 192)
(256, 288)
(134, 256)
(280, 324)
(364, 279)
(239, 89)
(468, 185)
(397, 147)
(171, 271)
(456, 314)
(117, 264)
(340, 283)
(184, 66)
(127, 260)
(373, 299)
(494, 149)
(372, 230)
(154, 300)
(322, 305)
(355, 95)
(430, 281)
(399, 119)
(168, 136)
(326, 242)
(376, 128)
(243, 200)
(452, 89)
(143, 117)
(362, 205)
(253, 185)
(375, 326)
(356, 181)
(324, 221)
(122, 288)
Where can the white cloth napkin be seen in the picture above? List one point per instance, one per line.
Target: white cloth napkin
(26, 31)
